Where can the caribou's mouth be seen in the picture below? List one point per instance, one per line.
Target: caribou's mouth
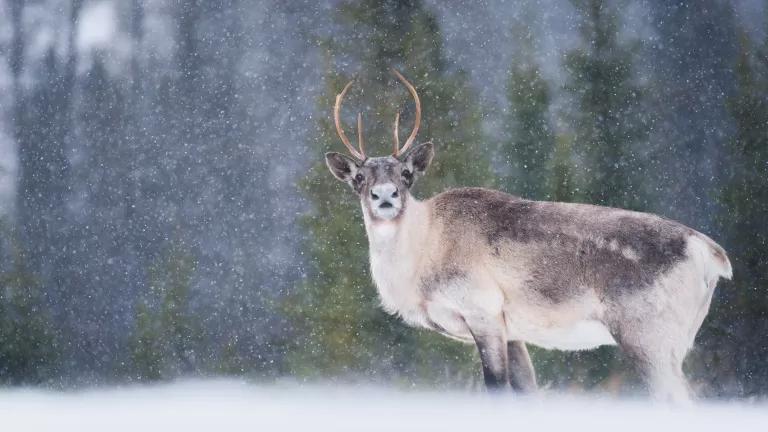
(386, 210)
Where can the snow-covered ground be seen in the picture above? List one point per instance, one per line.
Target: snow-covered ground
(233, 406)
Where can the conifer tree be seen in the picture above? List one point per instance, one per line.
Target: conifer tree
(42, 129)
(530, 140)
(167, 340)
(339, 325)
(28, 348)
(607, 120)
(734, 337)
(147, 352)
(562, 184)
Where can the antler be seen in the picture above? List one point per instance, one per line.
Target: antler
(337, 120)
(417, 121)
(397, 136)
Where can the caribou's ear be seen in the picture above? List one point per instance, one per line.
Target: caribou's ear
(342, 167)
(419, 157)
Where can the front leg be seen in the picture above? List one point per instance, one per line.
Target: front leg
(522, 376)
(490, 338)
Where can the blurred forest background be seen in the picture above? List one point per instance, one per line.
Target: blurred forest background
(165, 212)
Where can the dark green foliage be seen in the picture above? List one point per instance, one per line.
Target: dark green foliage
(530, 139)
(340, 328)
(735, 337)
(167, 337)
(533, 140)
(561, 185)
(28, 349)
(146, 345)
(607, 120)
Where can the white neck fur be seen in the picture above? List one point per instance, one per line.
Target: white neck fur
(396, 253)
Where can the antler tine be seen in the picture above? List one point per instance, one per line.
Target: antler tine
(340, 130)
(417, 121)
(397, 136)
(360, 134)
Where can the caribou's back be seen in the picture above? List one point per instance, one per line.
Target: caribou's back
(564, 248)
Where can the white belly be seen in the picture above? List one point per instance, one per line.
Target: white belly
(580, 335)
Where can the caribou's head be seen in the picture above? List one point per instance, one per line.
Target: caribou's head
(382, 183)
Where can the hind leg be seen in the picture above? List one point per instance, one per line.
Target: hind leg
(657, 329)
(668, 384)
(660, 366)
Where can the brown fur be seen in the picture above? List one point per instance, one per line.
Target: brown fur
(584, 242)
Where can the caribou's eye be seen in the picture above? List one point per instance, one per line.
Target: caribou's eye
(407, 174)
(359, 178)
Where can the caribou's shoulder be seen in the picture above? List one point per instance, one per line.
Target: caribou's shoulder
(471, 202)
(493, 213)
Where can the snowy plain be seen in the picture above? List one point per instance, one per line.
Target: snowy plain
(207, 405)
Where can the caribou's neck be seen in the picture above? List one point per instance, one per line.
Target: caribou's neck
(396, 254)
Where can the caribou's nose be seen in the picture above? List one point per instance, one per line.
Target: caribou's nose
(386, 191)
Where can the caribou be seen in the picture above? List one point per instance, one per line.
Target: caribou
(500, 271)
